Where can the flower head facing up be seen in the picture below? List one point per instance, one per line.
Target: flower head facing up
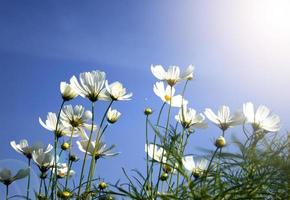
(189, 118)
(6, 176)
(115, 92)
(195, 167)
(156, 153)
(172, 75)
(44, 160)
(50, 124)
(101, 149)
(67, 92)
(167, 95)
(262, 119)
(26, 150)
(62, 170)
(113, 116)
(223, 118)
(75, 116)
(89, 85)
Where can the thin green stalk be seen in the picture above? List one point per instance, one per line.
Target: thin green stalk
(164, 140)
(93, 160)
(7, 191)
(54, 178)
(147, 156)
(68, 160)
(28, 180)
(67, 174)
(86, 153)
(40, 186)
(210, 162)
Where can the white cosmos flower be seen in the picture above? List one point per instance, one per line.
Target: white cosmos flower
(262, 119)
(67, 91)
(7, 178)
(223, 118)
(167, 95)
(44, 160)
(189, 118)
(172, 75)
(75, 117)
(50, 124)
(25, 149)
(195, 167)
(114, 92)
(156, 153)
(101, 149)
(90, 85)
(62, 170)
(113, 116)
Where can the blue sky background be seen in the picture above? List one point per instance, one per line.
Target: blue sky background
(240, 50)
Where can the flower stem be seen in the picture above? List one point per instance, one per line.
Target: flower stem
(28, 181)
(68, 160)
(7, 191)
(86, 153)
(98, 138)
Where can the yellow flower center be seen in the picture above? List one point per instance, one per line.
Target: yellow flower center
(167, 97)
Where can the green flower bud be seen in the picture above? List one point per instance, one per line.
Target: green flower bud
(148, 111)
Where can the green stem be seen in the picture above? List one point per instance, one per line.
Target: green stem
(68, 160)
(98, 138)
(86, 153)
(40, 186)
(164, 139)
(67, 174)
(28, 181)
(7, 191)
(54, 178)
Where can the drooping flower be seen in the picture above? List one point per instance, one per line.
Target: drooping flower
(262, 119)
(67, 92)
(113, 116)
(26, 150)
(167, 95)
(189, 118)
(101, 149)
(62, 170)
(172, 75)
(44, 160)
(50, 124)
(195, 167)
(223, 119)
(75, 117)
(115, 92)
(156, 153)
(6, 175)
(90, 85)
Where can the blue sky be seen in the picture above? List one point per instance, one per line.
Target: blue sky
(239, 48)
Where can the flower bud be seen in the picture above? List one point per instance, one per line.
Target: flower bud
(66, 194)
(148, 111)
(41, 197)
(102, 185)
(65, 146)
(164, 176)
(73, 158)
(167, 168)
(220, 142)
(113, 116)
(67, 91)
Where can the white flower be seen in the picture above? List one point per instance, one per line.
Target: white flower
(62, 170)
(91, 84)
(25, 149)
(223, 118)
(44, 160)
(67, 91)
(50, 124)
(101, 150)
(156, 153)
(189, 118)
(172, 75)
(195, 167)
(113, 116)
(115, 92)
(262, 118)
(7, 178)
(167, 95)
(75, 116)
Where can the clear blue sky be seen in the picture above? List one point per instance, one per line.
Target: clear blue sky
(240, 50)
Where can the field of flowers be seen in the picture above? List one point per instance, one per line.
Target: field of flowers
(259, 168)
